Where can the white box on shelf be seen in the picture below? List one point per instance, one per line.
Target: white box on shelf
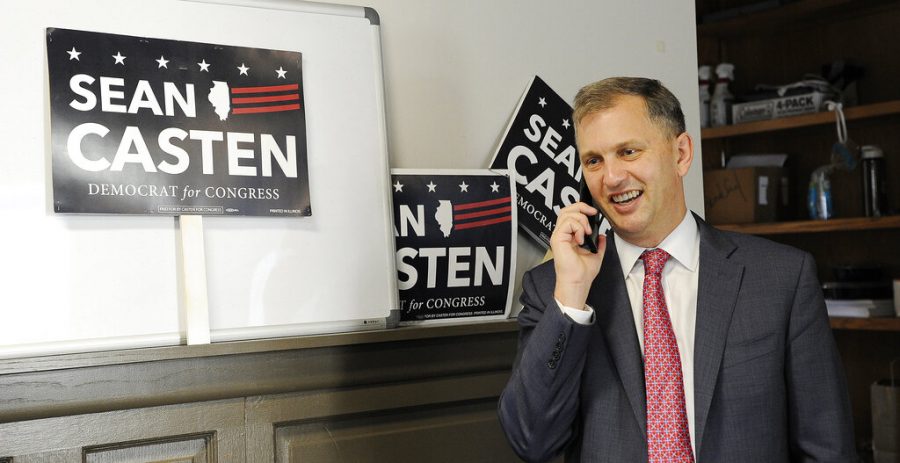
(775, 108)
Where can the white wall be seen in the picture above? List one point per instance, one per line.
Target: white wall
(454, 70)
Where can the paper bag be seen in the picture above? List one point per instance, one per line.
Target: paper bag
(886, 421)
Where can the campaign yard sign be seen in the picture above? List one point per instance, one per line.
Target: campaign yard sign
(154, 126)
(456, 247)
(538, 150)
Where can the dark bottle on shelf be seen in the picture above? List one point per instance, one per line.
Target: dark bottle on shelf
(873, 181)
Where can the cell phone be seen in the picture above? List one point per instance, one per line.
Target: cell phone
(590, 242)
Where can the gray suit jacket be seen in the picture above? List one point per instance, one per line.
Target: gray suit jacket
(768, 384)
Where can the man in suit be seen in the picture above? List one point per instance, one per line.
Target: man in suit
(676, 342)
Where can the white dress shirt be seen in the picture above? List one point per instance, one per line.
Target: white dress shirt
(680, 281)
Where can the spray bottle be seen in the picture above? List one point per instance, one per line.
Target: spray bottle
(720, 105)
(704, 73)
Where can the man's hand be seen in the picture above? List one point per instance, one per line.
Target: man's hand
(575, 266)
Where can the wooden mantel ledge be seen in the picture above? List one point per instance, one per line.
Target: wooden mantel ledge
(115, 357)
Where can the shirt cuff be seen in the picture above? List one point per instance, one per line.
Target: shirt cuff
(582, 317)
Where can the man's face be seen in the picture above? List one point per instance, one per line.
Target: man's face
(634, 170)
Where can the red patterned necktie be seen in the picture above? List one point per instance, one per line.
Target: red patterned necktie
(668, 436)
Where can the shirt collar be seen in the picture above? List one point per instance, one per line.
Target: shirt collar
(683, 244)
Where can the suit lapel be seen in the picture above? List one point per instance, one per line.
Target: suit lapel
(609, 297)
(719, 283)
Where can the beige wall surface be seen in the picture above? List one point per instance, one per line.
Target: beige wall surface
(454, 71)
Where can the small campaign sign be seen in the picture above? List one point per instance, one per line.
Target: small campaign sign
(538, 150)
(456, 247)
(155, 126)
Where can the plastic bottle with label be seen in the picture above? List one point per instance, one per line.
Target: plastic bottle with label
(704, 73)
(819, 199)
(875, 200)
(720, 105)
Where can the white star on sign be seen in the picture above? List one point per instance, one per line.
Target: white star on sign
(495, 188)
(119, 58)
(463, 187)
(398, 187)
(431, 186)
(542, 102)
(566, 123)
(73, 54)
(243, 70)
(163, 62)
(281, 72)
(204, 66)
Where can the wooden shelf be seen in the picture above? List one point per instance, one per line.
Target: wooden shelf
(815, 226)
(792, 15)
(823, 117)
(868, 324)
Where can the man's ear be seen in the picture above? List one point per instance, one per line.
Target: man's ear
(684, 147)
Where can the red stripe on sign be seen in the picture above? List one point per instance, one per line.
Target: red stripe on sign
(482, 223)
(265, 99)
(492, 202)
(271, 88)
(472, 215)
(266, 109)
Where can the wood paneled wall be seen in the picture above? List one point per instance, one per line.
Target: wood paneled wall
(409, 394)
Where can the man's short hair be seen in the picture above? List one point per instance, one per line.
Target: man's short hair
(662, 106)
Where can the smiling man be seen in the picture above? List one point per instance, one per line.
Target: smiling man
(675, 342)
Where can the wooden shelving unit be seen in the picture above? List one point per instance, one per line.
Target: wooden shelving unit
(780, 43)
(868, 324)
(790, 14)
(815, 226)
(825, 117)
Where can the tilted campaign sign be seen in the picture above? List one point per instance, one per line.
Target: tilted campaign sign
(456, 247)
(154, 126)
(538, 150)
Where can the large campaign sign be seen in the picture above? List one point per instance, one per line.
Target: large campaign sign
(538, 150)
(456, 247)
(153, 126)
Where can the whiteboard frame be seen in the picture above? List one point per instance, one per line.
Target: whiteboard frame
(187, 243)
(361, 324)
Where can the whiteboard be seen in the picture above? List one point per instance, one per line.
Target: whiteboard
(76, 283)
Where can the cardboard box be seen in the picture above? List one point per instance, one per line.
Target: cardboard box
(745, 195)
(775, 108)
